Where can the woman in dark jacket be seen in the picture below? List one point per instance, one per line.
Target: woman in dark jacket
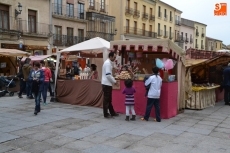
(37, 78)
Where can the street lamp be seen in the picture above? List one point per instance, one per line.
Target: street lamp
(20, 10)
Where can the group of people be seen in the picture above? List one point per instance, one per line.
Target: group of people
(36, 80)
(152, 83)
(76, 70)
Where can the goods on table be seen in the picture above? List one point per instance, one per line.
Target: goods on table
(123, 75)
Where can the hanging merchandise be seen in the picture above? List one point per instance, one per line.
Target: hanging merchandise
(159, 63)
(169, 64)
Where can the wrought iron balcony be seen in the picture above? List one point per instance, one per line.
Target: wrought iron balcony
(179, 38)
(128, 11)
(178, 22)
(64, 11)
(165, 17)
(191, 40)
(65, 40)
(197, 46)
(151, 18)
(136, 13)
(34, 28)
(139, 32)
(10, 27)
(197, 33)
(104, 35)
(160, 33)
(145, 16)
(159, 15)
(166, 34)
(186, 39)
(171, 19)
(202, 35)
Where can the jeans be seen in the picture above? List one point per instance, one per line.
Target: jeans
(226, 95)
(107, 101)
(22, 87)
(29, 88)
(128, 108)
(150, 103)
(37, 97)
(44, 91)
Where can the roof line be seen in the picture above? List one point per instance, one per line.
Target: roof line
(171, 6)
(195, 21)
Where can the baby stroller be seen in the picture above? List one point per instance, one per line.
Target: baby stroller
(6, 83)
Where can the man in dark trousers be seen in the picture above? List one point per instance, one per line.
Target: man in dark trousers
(107, 82)
(226, 85)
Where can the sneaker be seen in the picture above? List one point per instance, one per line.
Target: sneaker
(19, 96)
(44, 104)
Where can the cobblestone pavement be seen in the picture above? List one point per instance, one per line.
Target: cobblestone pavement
(63, 128)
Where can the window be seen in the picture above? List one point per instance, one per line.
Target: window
(150, 28)
(182, 35)
(80, 35)
(170, 32)
(70, 35)
(220, 46)
(151, 12)
(165, 14)
(127, 25)
(170, 15)
(4, 16)
(103, 5)
(185, 47)
(32, 21)
(144, 8)
(58, 34)
(196, 41)
(159, 28)
(81, 11)
(91, 4)
(58, 7)
(143, 28)
(164, 30)
(128, 3)
(186, 35)
(135, 5)
(202, 30)
(201, 42)
(103, 27)
(159, 11)
(216, 45)
(135, 27)
(70, 10)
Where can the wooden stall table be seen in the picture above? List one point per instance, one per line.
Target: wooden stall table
(168, 99)
(202, 97)
(80, 92)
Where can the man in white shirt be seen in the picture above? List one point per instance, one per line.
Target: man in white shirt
(107, 82)
(153, 95)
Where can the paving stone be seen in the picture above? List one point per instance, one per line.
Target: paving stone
(141, 132)
(220, 129)
(76, 135)
(62, 150)
(140, 148)
(5, 148)
(39, 147)
(189, 124)
(6, 137)
(188, 139)
(220, 135)
(24, 132)
(177, 127)
(189, 120)
(96, 139)
(58, 124)
(170, 131)
(41, 136)
(19, 150)
(60, 140)
(224, 125)
(129, 137)
(20, 142)
(118, 143)
(199, 131)
(126, 151)
(59, 131)
(73, 126)
(99, 148)
(174, 148)
(203, 126)
(79, 145)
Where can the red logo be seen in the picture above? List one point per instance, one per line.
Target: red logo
(220, 9)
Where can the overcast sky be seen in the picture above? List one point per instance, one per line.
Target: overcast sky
(218, 27)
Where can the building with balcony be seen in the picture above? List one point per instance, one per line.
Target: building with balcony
(200, 35)
(213, 44)
(167, 22)
(25, 25)
(187, 33)
(69, 23)
(100, 22)
(135, 19)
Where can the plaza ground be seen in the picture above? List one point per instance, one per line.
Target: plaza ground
(63, 128)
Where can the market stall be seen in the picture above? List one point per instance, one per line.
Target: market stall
(203, 82)
(80, 90)
(141, 56)
(9, 59)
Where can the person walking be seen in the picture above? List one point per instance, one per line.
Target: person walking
(226, 85)
(26, 69)
(22, 80)
(107, 82)
(52, 80)
(153, 95)
(129, 99)
(37, 78)
(47, 77)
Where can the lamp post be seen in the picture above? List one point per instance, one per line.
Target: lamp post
(19, 8)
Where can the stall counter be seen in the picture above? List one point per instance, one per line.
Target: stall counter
(168, 99)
